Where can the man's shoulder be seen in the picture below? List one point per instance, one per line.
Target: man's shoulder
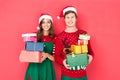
(80, 31)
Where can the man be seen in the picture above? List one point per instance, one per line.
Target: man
(64, 40)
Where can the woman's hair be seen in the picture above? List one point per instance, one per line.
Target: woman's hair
(40, 31)
(70, 12)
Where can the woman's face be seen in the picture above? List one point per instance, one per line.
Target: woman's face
(46, 24)
(70, 20)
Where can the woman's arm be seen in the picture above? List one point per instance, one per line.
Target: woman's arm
(49, 56)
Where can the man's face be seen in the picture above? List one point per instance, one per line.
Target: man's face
(70, 20)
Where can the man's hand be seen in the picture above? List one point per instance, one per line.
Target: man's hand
(65, 64)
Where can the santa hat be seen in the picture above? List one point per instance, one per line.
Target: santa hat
(45, 16)
(68, 8)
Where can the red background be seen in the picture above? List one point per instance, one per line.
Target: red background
(100, 18)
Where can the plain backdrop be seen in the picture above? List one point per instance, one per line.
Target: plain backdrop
(100, 18)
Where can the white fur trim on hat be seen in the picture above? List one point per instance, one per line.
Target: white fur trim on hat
(45, 16)
(69, 8)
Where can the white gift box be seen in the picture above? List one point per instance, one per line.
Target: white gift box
(84, 36)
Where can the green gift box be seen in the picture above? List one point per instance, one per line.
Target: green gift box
(77, 61)
(48, 47)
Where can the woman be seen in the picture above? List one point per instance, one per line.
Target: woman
(45, 69)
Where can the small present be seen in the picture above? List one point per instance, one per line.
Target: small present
(48, 47)
(84, 49)
(82, 42)
(34, 39)
(72, 47)
(34, 46)
(76, 49)
(78, 61)
(30, 56)
(29, 37)
(84, 37)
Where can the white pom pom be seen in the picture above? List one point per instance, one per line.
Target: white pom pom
(38, 28)
(58, 17)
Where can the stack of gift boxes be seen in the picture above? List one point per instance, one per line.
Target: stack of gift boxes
(33, 49)
(78, 58)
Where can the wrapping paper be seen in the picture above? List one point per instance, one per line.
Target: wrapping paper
(78, 61)
(84, 49)
(76, 49)
(34, 46)
(82, 42)
(84, 37)
(34, 39)
(29, 37)
(30, 56)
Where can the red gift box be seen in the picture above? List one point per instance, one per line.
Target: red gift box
(82, 42)
(30, 56)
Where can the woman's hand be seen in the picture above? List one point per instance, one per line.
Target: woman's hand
(43, 57)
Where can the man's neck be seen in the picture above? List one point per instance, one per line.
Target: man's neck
(71, 29)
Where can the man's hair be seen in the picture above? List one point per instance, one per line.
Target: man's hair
(70, 12)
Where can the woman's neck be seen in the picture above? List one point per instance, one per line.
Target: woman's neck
(45, 33)
(71, 29)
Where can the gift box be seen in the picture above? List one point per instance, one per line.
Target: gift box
(48, 47)
(29, 37)
(34, 46)
(82, 42)
(76, 49)
(30, 56)
(84, 37)
(34, 39)
(84, 49)
(77, 61)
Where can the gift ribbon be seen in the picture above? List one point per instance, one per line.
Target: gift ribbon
(40, 56)
(77, 68)
(34, 45)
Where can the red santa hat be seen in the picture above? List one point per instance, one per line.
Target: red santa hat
(45, 16)
(68, 8)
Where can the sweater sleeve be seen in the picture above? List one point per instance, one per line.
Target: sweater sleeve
(59, 55)
(90, 51)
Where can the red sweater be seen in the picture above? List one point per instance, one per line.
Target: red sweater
(66, 39)
(47, 39)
